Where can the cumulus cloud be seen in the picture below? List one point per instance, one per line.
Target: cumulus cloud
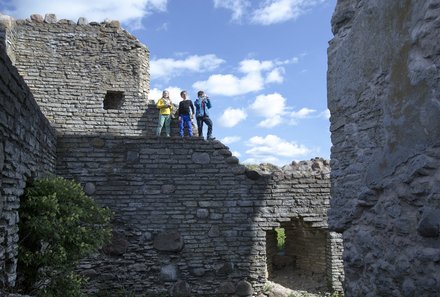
(155, 94)
(275, 76)
(236, 154)
(303, 113)
(255, 74)
(272, 107)
(230, 139)
(278, 11)
(238, 7)
(166, 68)
(271, 122)
(272, 149)
(232, 116)
(129, 12)
(325, 114)
(266, 12)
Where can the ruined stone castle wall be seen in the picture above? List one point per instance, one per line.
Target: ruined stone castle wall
(27, 150)
(384, 92)
(189, 218)
(71, 68)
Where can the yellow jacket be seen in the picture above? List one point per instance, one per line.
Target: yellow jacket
(162, 104)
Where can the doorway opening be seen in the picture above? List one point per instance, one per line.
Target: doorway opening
(297, 257)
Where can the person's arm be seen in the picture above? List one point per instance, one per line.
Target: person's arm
(208, 103)
(192, 107)
(160, 104)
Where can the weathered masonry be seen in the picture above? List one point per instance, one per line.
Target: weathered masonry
(189, 219)
(384, 97)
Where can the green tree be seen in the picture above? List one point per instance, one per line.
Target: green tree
(59, 225)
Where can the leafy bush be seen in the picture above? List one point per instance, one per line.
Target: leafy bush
(59, 225)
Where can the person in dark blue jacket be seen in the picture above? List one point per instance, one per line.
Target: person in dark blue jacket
(203, 104)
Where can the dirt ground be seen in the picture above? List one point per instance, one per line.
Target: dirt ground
(289, 282)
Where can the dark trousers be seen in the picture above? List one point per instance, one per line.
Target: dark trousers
(207, 121)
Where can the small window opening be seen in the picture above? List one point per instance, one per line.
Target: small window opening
(113, 100)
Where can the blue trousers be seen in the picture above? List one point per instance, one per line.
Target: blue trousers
(185, 119)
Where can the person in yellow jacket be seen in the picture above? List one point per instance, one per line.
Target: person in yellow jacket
(165, 107)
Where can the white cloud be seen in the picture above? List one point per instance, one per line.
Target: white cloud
(271, 122)
(155, 94)
(269, 105)
(238, 7)
(325, 114)
(273, 148)
(303, 113)
(270, 159)
(230, 139)
(236, 154)
(232, 116)
(252, 79)
(129, 12)
(275, 76)
(266, 12)
(278, 11)
(166, 68)
(230, 85)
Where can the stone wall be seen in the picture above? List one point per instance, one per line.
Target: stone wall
(72, 67)
(383, 94)
(27, 150)
(188, 217)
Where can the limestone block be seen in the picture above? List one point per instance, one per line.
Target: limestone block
(168, 189)
(201, 158)
(168, 273)
(202, 213)
(429, 225)
(252, 174)
(82, 21)
(50, 18)
(214, 231)
(6, 21)
(226, 288)
(244, 288)
(181, 288)
(2, 157)
(168, 241)
(118, 245)
(132, 156)
(38, 18)
(98, 142)
(198, 271)
(224, 268)
(232, 160)
(89, 188)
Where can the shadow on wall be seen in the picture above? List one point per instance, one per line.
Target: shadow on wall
(189, 218)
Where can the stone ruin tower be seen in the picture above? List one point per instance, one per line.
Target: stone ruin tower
(384, 98)
(189, 219)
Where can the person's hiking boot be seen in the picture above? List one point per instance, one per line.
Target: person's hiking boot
(210, 138)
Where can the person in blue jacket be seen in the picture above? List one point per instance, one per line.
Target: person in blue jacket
(203, 104)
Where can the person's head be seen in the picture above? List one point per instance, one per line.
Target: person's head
(200, 94)
(165, 94)
(184, 95)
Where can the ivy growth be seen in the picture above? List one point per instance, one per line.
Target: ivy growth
(59, 225)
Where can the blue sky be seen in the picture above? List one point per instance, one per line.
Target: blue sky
(263, 63)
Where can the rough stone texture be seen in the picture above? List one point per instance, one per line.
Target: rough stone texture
(383, 92)
(27, 151)
(221, 212)
(81, 63)
(220, 219)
